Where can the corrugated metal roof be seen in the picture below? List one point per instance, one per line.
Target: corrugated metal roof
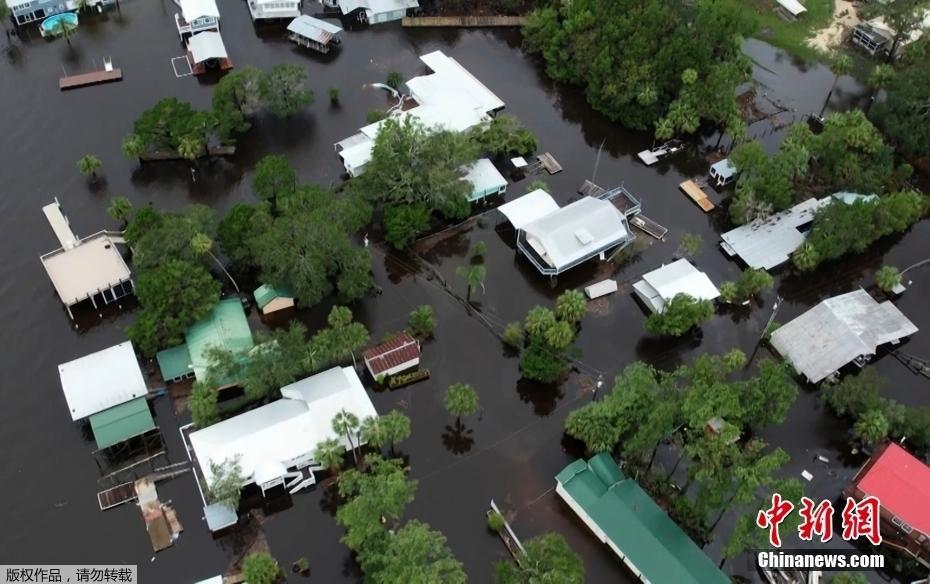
(174, 362)
(632, 523)
(313, 28)
(266, 293)
(902, 483)
(400, 350)
(122, 422)
(678, 277)
(101, 380)
(207, 45)
(837, 331)
(225, 327)
(528, 208)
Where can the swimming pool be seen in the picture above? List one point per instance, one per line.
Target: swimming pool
(49, 25)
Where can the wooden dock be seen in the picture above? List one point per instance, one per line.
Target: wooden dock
(117, 495)
(694, 192)
(648, 226)
(589, 189)
(463, 21)
(549, 162)
(88, 79)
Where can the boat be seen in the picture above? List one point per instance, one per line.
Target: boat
(650, 157)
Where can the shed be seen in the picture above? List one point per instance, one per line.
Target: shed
(398, 354)
(793, 7)
(175, 363)
(101, 380)
(485, 179)
(314, 33)
(601, 288)
(723, 172)
(273, 298)
(120, 423)
(844, 329)
(207, 46)
(219, 516)
(528, 208)
(659, 286)
(622, 515)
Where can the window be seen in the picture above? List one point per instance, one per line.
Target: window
(902, 525)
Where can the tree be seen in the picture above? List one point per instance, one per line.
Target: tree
(236, 99)
(749, 283)
(421, 321)
(203, 245)
(570, 306)
(396, 427)
(202, 404)
(879, 78)
(460, 400)
(403, 223)
(418, 555)
(871, 428)
(538, 321)
(261, 568)
(191, 147)
(548, 558)
(689, 245)
(540, 363)
(162, 128)
(342, 338)
(496, 521)
(173, 297)
(478, 250)
(334, 95)
(503, 136)
(682, 313)
(282, 90)
(905, 113)
(88, 165)
(513, 335)
(594, 424)
(372, 432)
(329, 453)
(226, 483)
(841, 65)
(374, 116)
(474, 276)
(887, 278)
(537, 185)
(395, 79)
(274, 179)
(120, 209)
(133, 146)
(904, 18)
(235, 232)
(347, 424)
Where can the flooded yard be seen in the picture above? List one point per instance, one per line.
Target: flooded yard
(511, 450)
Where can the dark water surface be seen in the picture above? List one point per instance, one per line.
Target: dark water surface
(514, 447)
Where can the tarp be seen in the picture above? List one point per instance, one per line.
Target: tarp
(122, 422)
(528, 208)
(205, 46)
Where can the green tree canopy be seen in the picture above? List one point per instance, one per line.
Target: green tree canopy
(383, 491)
(162, 127)
(274, 177)
(418, 555)
(905, 114)
(887, 278)
(260, 568)
(89, 164)
(460, 400)
(548, 558)
(570, 306)
(682, 313)
(226, 483)
(120, 209)
(282, 89)
(236, 98)
(503, 136)
(421, 321)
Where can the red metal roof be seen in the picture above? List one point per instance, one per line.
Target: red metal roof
(902, 484)
(401, 349)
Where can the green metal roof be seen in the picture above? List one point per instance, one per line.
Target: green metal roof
(122, 422)
(174, 362)
(226, 327)
(631, 520)
(266, 293)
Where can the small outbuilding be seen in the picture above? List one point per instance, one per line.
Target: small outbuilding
(400, 353)
(848, 328)
(374, 11)
(485, 179)
(723, 172)
(273, 9)
(659, 286)
(314, 33)
(271, 299)
(206, 50)
(792, 7)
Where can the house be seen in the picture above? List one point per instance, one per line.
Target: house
(90, 268)
(723, 172)
(226, 327)
(206, 50)
(373, 11)
(768, 242)
(844, 329)
(659, 286)
(26, 11)
(557, 239)
(108, 389)
(877, 36)
(398, 354)
(197, 16)
(622, 515)
(314, 33)
(449, 98)
(485, 179)
(901, 483)
(274, 443)
(272, 9)
(273, 298)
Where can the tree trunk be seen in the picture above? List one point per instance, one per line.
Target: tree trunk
(652, 458)
(829, 95)
(352, 446)
(222, 267)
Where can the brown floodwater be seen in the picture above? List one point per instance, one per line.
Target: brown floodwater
(512, 449)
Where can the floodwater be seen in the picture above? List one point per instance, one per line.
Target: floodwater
(511, 450)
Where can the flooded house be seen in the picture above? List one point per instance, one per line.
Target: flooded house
(373, 11)
(313, 33)
(623, 516)
(845, 329)
(485, 179)
(659, 286)
(26, 11)
(273, 9)
(89, 268)
(555, 239)
(271, 299)
(398, 354)
(197, 16)
(449, 98)
(107, 389)
(274, 444)
(723, 172)
(901, 483)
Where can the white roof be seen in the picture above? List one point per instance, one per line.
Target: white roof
(275, 435)
(313, 28)
(723, 168)
(529, 208)
(766, 243)
(101, 380)
(484, 176)
(86, 269)
(377, 6)
(793, 6)
(451, 81)
(207, 45)
(193, 9)
(60, 225)
(837, 331)
(577, 231)
(659, 286)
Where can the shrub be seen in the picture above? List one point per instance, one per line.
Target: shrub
(422, 322)
(513, 335)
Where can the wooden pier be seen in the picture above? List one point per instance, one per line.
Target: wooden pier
(463, 21)
(88, 79)
(696, 194)
(649, 226)
(116, 496)
(549, 162)
(589, 189)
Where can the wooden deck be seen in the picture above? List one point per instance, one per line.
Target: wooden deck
(117, 495)
(649, 226)
(589, 189)
(463, 21)
(549, 162)
(694, 192)
(88, 79)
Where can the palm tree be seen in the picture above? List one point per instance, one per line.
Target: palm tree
(202, 244)
(570, 306)
(120, 209)
(871, 427)
(372, 431)
(460, 400)
(396, 427)
(329, 453)
(887, 277)
(133, 146)
(841, 65)
(63, 28)
(347, 423)
(88, 165)
(879, 79)
(806, 257)
(190, 147)
(474, 276)
(560, 335)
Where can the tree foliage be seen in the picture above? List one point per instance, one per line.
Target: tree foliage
(570, 306)
(887, 278)
(548, 339)
(203, 404)
(749, 283)
(682, 313)
(261, 568)
(88, 165)
(164, 126)
(422, 321)
(274, 178)
(548, 558)
(460, 400)
(120, 209)
(503, 136)
(236, 99)
(905, 114)
(226, 483)
(282, 89)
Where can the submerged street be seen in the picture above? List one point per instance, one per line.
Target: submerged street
(511, 450)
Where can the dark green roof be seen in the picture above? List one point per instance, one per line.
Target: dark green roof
(226, 327)
(266, 293)
(174, 362)
(645, 535)
(122, 422)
